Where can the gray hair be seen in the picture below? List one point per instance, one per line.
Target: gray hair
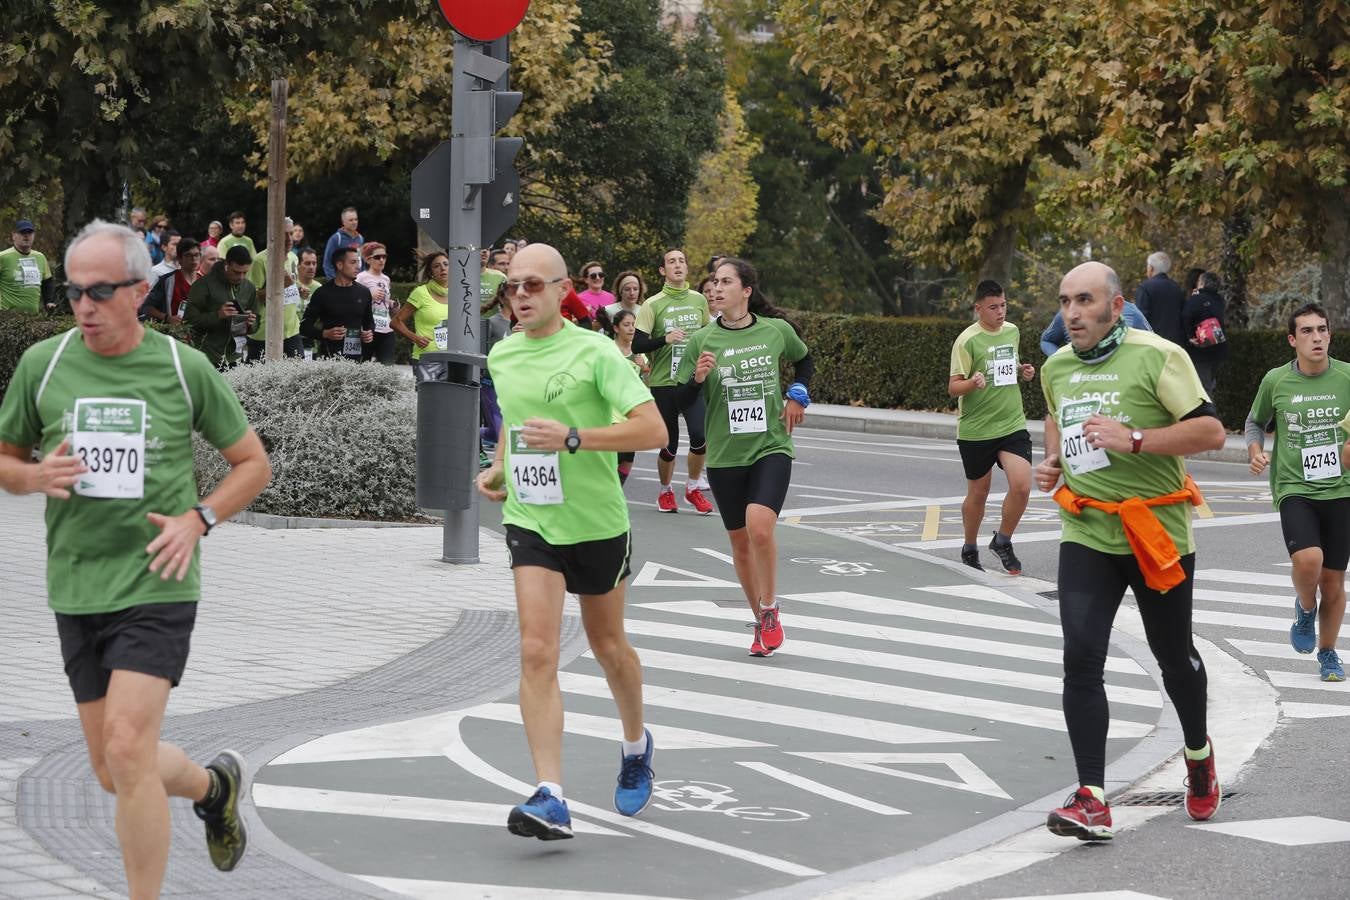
(1113, 284)
(1160, 262)
(134, 255)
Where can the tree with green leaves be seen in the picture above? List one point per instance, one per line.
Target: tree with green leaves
(957, 100)
(1238, 112)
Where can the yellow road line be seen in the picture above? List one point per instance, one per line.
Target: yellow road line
(930, 523)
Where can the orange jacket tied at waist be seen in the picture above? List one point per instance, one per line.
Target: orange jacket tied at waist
(1153, 547)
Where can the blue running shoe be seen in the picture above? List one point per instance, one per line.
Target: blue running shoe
(542, 816)
(634, 791)
(1303, 633)
(1331, 665)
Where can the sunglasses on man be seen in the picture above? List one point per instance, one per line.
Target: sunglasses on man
(101, 291)
(531, 285)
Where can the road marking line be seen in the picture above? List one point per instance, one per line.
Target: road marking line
(1009, 678)
(1272, 600)
(822, 790)
(1049, 718)
(931, 520)
(716, 554)
(1304, 681)
(421, 889)
(1238, 577)
(427, 736)
(1238, 620)
(1313, 710)
(920, 503)
(650, 570)
(394, 806)
(459, 753)
(1265, 648)
(841, 627)
(884, 606)
(1024, 537)
(744, 710)
(977, 592)
(970, 776)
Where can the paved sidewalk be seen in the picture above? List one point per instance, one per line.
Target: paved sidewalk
(918, 423)
(338, 635)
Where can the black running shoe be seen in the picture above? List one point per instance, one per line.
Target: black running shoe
(970, 555)
(226, 838)
(1011, 564)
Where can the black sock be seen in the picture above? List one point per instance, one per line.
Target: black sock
(1001, 539)
(214, 801)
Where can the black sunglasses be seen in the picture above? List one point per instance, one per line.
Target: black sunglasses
(596, 275)
(104, 290)
(378, 256)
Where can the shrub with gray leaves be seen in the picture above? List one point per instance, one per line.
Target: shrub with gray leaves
(340, 435)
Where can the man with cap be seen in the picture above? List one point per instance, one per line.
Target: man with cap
(25, 276)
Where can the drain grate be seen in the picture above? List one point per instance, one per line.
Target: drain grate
(1158, 798)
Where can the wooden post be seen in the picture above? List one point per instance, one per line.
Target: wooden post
(278, 241)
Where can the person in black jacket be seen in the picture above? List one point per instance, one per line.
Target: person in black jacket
(1159, 299)
(1208, 348)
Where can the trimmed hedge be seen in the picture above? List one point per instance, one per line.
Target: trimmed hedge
(902, 363)
(891, 363)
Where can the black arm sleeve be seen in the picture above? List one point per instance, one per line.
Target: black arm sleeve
(803, 369)
(645, 343)
(686, 395)
(1204, 409)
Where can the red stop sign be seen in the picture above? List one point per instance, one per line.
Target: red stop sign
(484, 20)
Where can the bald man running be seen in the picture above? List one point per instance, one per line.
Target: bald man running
(556, 468)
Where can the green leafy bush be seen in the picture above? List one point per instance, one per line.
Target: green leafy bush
(21, 330)
(340, 435)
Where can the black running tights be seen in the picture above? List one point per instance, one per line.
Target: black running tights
(1091, 585)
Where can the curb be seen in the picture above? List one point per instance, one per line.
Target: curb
(271, 522)
(942, 426)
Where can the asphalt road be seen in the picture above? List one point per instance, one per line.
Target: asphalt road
(912, 717)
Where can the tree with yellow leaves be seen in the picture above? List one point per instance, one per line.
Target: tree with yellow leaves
(724, 201)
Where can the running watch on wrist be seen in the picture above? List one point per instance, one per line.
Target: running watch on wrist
(573, 441)
(1136, 441)
(208, 516)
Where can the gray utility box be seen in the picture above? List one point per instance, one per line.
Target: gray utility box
(447, 431)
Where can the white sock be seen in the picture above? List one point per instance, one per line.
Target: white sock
(635, 748)
(702, 482)
(773, 604)
(554, 789)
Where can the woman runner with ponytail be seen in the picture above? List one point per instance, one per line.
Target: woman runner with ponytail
(733, 364)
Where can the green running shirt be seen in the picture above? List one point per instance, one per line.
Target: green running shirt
(579, 378)
(1149, 382)
(671, 309)
(1312, 417)
(430, 310)
(96, 559)
(743, 393)
(994, 410)
(21, 279)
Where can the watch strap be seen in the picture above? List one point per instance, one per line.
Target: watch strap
(1136, 441)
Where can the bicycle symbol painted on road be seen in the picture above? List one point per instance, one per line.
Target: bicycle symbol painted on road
(706, 796)
(839, 566)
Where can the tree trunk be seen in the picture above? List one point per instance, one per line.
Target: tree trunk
(1234, 266)
(1336, 256)
(1005, 202)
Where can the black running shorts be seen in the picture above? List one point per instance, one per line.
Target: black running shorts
(589, 568)
(667, 402)
(765, 481)
(978, 457)
(152, 639)
(1318, 523)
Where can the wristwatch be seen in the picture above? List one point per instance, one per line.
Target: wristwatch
(1136, 441)
(573, 441)
(208, 516)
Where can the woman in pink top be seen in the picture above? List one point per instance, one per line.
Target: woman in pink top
(595, 296)
(383, 304)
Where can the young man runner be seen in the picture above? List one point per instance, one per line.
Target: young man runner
(112, 406)
(1307, 402)
(1125, 407)
(664, 324)
(567, 521)
(733, 364)
(992, 428)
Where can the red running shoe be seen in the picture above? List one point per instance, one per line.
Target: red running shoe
(1082, 816)
(665, 501)
(757, 648)
(1203, 794)
(696, 499)
(771, 628)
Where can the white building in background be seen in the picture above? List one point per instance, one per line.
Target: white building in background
(682, 13)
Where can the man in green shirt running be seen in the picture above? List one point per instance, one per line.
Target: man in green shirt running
(1125, 406)
(664, 325)
(236, 237)
(992, 426)
(25, 276)
(566, 519)
(112, 406)
(1307, 404)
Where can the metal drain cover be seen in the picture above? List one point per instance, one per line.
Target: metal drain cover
(1159, 798)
